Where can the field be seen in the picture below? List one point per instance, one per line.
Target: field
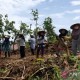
(50, 67)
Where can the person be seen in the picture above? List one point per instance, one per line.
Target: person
(75, 38)
(0, 47)
(6, 46)
(63, 33)
(32, 42)
(63, 36)
(22, 45)
(62, 42)
(41, 43)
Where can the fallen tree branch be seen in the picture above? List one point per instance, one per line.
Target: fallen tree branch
(22, 77)
(7, 78)
(37, 72)
(8, 72)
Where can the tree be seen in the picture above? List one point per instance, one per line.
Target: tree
(1, 25)
(35, 15)
(30, 30)
(9, 26)
(36, 29)
(35, 18)
(24, 29)
(47, 25)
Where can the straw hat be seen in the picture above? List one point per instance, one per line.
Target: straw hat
(60, 30)
(77, 24)
(39, 32)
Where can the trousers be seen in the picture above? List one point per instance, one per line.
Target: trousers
(40, 48)
(22, 51)
(75, 46)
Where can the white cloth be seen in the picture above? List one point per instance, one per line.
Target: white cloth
(22, 42)
(40, 40)
(32, 43)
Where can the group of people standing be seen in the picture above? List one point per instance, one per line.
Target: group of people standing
(5, 46)
(38, 44)
(75, 37)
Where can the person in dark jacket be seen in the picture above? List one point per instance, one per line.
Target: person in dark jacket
(6, 46)
(75, 38)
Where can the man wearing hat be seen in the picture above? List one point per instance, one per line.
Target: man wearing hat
(75, 38)
(63, 32)
(40, 41)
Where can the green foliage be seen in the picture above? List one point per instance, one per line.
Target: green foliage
(3, 70)
(46, 72)
(15, 31)
(24, 29)
(35, 18)
(57, 73)
(72, 60)
(36, 30)
(1, 23)
(47, 25)
(35, 14)
(9, 26)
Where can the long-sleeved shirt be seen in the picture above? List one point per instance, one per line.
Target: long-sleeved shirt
(75, 34)
(41, 40)
(32, 43)
(22, 42)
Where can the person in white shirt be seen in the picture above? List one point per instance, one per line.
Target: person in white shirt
(41, 42)
(32, 42)
(22, 45)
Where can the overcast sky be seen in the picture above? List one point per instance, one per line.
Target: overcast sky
(63, 12)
